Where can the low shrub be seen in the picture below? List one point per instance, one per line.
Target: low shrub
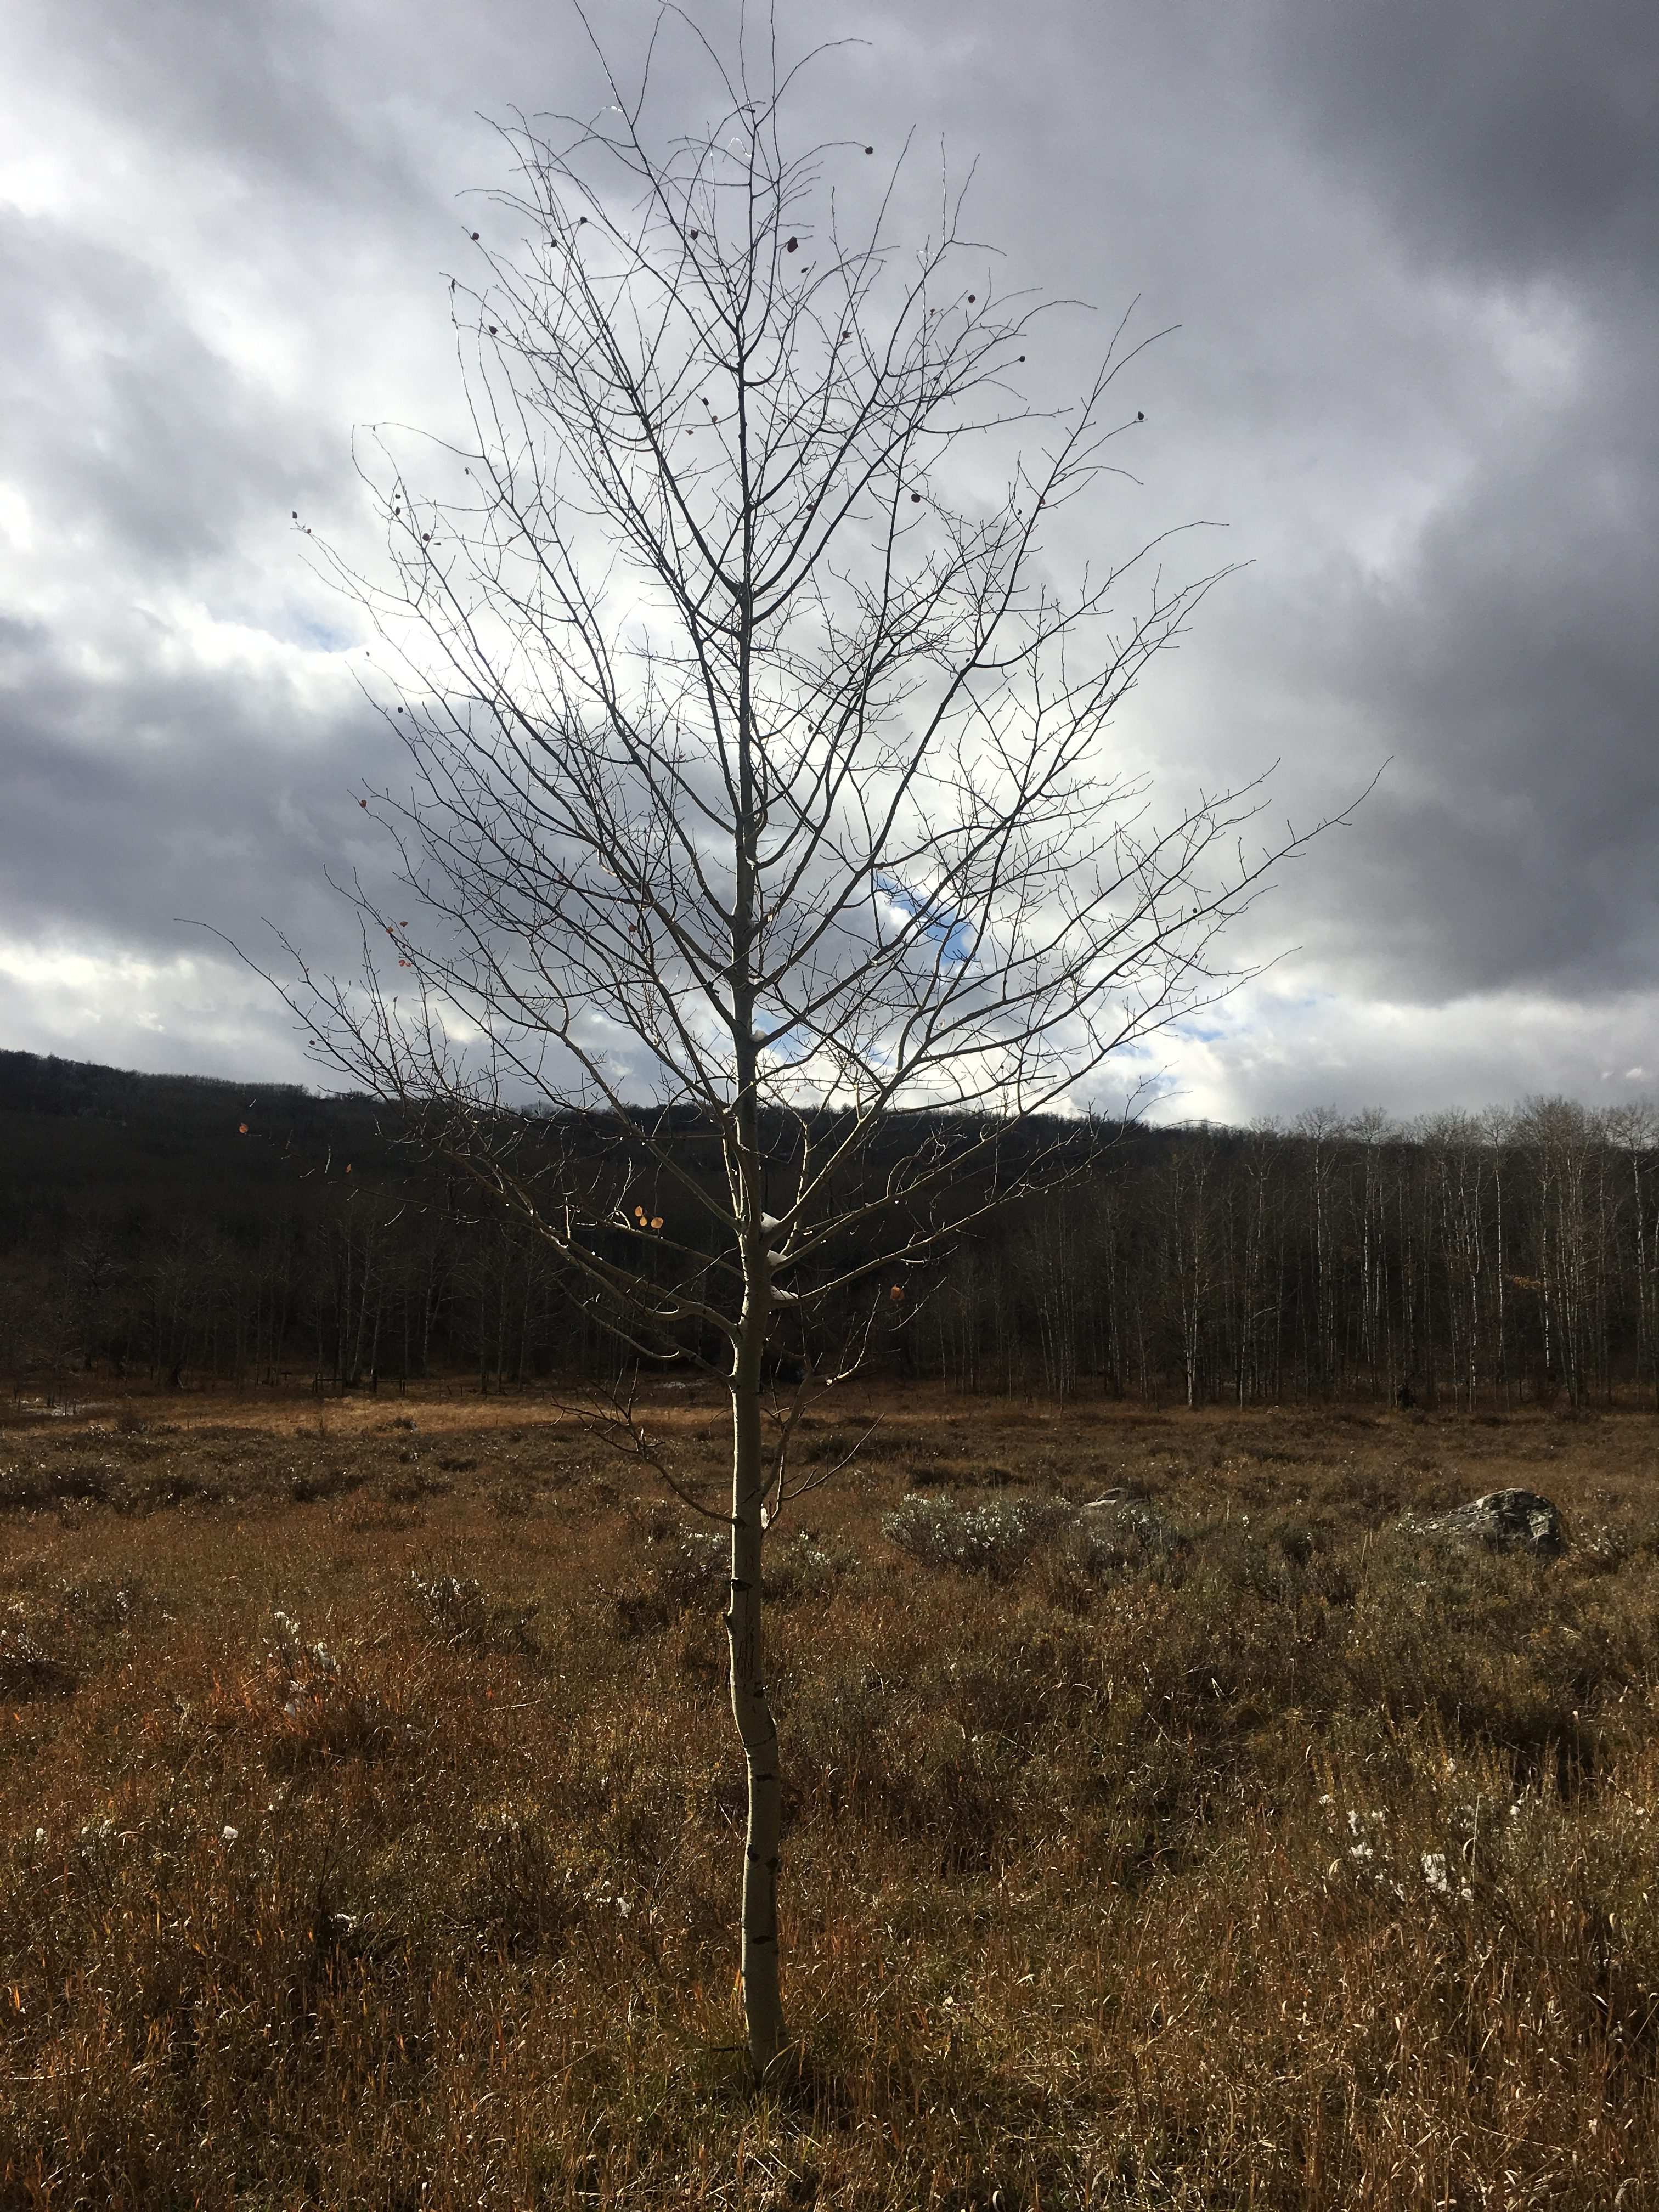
(1130, 1539)
(697, 1569)
(995, 1539)
(459, 1613)
(808, 1567)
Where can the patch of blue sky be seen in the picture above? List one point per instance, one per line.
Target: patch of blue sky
(789, 1048)
(1200, 1032)
(944, 928)
(1148, 1094)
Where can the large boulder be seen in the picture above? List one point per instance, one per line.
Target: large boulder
(1503, 1520)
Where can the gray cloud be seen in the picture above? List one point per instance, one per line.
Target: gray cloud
(1412, 249)
(1509, 663)
(201, 796)
(1513, 134)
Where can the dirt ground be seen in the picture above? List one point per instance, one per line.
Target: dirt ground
(372, 1811)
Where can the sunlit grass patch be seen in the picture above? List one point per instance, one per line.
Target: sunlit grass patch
(1263, 1853)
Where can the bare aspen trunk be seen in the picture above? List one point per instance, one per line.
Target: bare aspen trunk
(763, 2002)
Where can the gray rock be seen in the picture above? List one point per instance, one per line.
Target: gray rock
(1503, 1520)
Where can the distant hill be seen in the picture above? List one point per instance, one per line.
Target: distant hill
(183, 1227)
(77, 1138)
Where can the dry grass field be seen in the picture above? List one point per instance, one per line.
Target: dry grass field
(371, 1818)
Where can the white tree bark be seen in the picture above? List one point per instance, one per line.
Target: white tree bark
(763, 1999)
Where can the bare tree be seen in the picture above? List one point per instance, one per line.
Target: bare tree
(762, 835)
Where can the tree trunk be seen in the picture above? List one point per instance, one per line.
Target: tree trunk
(763, 2002)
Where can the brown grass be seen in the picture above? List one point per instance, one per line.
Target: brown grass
(371, 1821)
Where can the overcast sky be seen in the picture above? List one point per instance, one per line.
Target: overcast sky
(1412, 248)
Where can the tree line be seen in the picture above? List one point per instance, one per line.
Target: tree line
(184, 1232)
(1459, 1260)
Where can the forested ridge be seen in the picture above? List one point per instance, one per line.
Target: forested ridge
(188, 1231)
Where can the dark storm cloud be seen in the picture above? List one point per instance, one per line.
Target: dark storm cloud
(1513, 672)
(198, 792)
(1413, 251)
(1518, 135)
(1510, 665)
